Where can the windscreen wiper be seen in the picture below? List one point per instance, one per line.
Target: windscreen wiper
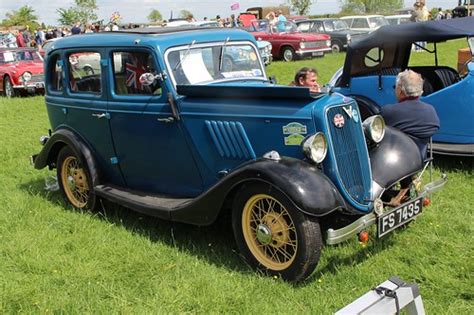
(185, 55)
(221, 57)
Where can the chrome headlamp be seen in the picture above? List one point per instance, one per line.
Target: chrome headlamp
(374, 128)
(302, 45)
(348, 37)
(328, 43)
(315, 147)
(26, 76)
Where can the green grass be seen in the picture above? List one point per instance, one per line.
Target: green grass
(54, 259)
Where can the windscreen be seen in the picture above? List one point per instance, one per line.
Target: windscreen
(208, 64)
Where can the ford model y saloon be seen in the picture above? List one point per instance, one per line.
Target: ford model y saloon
(170, 123)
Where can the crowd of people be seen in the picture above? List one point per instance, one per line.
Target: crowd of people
(24, 37)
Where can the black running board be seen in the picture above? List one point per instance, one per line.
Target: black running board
(153, 205)
(453, 149)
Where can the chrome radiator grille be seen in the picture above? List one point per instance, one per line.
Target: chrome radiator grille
(37, 78)
(317, 44)
(350, 153)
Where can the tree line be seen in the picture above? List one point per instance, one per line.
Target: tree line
(83, 11)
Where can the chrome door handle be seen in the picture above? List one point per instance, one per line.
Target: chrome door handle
(102, 115)
(166, 120)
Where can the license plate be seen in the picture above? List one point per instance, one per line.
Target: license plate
(318, 53)
(395, 218)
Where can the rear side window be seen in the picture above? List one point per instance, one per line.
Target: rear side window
(84, 72)
(56, 68)
(128, 67)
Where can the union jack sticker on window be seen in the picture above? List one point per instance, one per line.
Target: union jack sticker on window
(338, 120)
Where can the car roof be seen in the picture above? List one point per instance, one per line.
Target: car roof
(361, 16)
(397, 16)
(163, 36)
(318, 19)
(17, 49)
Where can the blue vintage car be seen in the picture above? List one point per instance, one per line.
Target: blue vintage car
(163, 125)
(373, 63)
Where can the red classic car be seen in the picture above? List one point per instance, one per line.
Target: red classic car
(287, 42)
(21, 71)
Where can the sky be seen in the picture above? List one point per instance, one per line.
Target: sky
(138, 10)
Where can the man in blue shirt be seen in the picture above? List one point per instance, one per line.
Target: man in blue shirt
(413, 117)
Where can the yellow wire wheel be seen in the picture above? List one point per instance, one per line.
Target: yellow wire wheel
(269, 232)
(73, 179)
(273, 234)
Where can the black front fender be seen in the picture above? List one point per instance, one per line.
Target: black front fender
(395, 158)
(304, 184)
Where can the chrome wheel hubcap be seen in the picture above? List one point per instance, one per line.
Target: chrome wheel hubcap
(264, 234)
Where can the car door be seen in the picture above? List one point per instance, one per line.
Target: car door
(152, 152)
(82, 104)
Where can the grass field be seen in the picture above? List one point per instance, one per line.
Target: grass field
(54, 259)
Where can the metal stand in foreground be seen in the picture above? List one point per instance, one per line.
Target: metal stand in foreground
(388, 298)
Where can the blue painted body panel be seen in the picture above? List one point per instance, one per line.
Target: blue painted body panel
(454, 104)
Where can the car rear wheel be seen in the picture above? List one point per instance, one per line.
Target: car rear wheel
(74, 180)
(273, 235)
(8, 89)
(288, 54)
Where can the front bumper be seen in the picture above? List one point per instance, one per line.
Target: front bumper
(30, 86)
(340, 235)
(312, 52)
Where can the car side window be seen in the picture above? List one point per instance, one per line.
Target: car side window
(304, 26)
(128, 67)
(84, 72)
(318, 27)
(56, 83)
(360, 23)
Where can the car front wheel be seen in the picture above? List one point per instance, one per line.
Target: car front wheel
(336, 47)
(273, 235)
(75, 180)
(288, 54)
(8, 89)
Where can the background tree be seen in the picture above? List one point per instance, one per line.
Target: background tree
(82, 11)
(370, 6)
(67, 16)
(301, 7)
(154, 16)
(23, 16)
(185, 13)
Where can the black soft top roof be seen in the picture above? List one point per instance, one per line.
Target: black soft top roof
(396, 42)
